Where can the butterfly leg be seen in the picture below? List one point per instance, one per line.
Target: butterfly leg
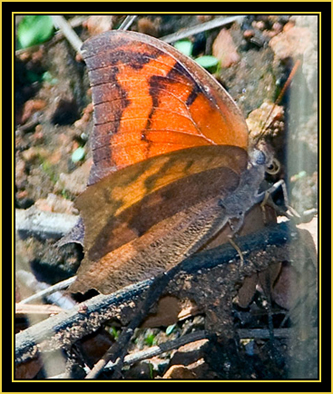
(263, 199)
(235, 229)
(233, 243)
(263, 205)
(263, 196)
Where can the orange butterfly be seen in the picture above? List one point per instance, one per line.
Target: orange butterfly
(170, 163)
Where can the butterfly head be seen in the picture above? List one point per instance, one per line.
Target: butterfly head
(261, 154)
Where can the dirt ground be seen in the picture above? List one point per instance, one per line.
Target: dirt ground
(53, 124)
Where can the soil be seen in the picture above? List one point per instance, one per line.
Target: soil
(53, 118)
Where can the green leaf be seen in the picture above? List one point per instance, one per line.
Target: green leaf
(151, 370)
(184, 46)
(298, 176)
(34, 29)
(47, 77)
(208, 62)
(169, 329)
(114, 332)
(32, 76)
(78, 154)
(150, 339)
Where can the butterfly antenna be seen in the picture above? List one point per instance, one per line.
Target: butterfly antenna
(279, 98)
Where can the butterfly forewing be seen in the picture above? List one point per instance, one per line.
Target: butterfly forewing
(150, 99)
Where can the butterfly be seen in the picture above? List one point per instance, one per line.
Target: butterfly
(171, 161)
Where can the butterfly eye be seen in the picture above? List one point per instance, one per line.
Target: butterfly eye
(274, 167)
(259, 157)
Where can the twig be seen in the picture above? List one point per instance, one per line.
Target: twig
(30, 125)
(262, 333)
(242, 333)
(63, 330)
(118, 350)
(76, 21)
(51, 293)
(66, 328)
(217, 22)
(43, 224)
(37, 309)
(60, 22)
(50, 290)
(161, 348)
(126, 23)
(152, 351)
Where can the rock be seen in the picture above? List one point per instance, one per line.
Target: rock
(97, 24)
(291, 42)
(179, 372)
(54, 203)
(76, 182)
(30, 107)
(224, 49)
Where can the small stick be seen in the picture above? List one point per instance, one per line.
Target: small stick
(76, 21)
(264, 333)
(161, 348)
(60, 22)
(242, 333)
(50, 290)
(285, 87)
(118, 350)
(288, 81)
(126, 23)
(51, 332)
(217, 22)
(37, 309)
